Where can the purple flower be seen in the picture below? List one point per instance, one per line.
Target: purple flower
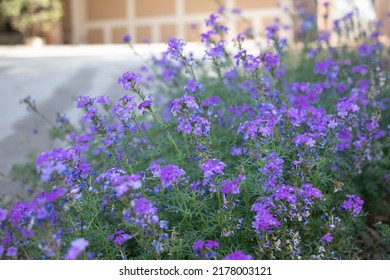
(345, 135)
(88, 104)
(184, 125)
(236, 11)
(85, 101)
(270, 60)
(155, 168)
(193, 86)
(201, 126)
(212, 100)
(11, 252)
(285, 192)
(198, 245)
(76, 247)
(231, 187)
(1, 251)
(323, 67)
(365, 50)
(221, 10)
(184, 102)
(195, 185)
(119, 237)
(307, 190)
(205, 249)
(324, 35)
(129, 80)
(55, 194)
(164, 224)
(274, 165)
(169, 174)
(354, 204)
(296, 116)
(374, 34)
(26, 233)
(346, 105)
(250, 63)
(333, 124)
(145, 104)
(205, 37)
(212, 167)
(56, 161)
(238, 255)
(143, 206)
(175, 48)
(19, 211)
(371, 124)
(217, 51)
(272, 32)
(239, 111)
(124, 108)
(126, 39)
(8, 239)
(327, 238)
(212, 20)
(158, 246)
(310, 142)
(211, 244)
(90, 255)
(109, 175)
(263, 218)
(308, 139)
(262, 125)
(142, 213)
(236, 151)
(123, 183)
(56, 155)
(312, 53)
(361, 69)
(41, 213)
(3, 214)
(241, 56)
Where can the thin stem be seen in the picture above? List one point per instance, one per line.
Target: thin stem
(146, 138)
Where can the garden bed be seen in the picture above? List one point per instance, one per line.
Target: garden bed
(239, 155)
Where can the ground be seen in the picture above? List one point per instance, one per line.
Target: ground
(53, 76)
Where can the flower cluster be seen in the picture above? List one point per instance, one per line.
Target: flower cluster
(238, 255)
(129, 80)
(212, 167)
(205, 249)
(354, 204)
(251, 155)
(169, 174)
(119, 237)
(231, 187)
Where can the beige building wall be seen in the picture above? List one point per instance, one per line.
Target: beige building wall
(106, 21)
(382, 9)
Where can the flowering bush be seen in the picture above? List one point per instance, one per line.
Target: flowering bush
(232, 156)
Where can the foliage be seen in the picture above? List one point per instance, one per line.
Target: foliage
(31, 17)
(235, 155)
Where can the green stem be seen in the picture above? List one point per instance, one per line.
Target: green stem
(146, 138)
(176, 147)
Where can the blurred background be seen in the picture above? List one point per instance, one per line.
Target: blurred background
(106, 21)
(55, 50)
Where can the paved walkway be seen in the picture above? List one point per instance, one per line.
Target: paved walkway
(53, 76)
